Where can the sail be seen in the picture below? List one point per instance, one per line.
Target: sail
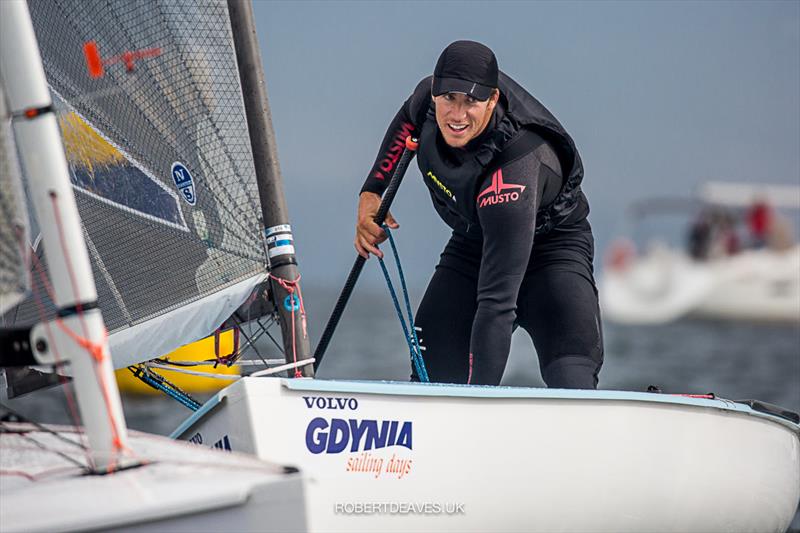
(14, 229)
(151, 114)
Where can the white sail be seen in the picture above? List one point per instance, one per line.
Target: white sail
(160, 161)
(14, 230)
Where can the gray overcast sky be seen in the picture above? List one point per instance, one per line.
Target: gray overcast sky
(659, 97)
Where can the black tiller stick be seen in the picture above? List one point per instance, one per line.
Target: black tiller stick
(355, 272)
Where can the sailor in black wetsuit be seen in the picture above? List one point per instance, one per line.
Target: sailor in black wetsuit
(505, 176)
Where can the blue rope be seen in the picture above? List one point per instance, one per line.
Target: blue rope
(411, 337)
(181, 398)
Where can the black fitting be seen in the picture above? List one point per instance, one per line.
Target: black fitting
(15, 347)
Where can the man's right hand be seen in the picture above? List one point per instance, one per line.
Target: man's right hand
(368, 234)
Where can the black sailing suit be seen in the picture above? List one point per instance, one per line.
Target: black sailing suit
(521, 249)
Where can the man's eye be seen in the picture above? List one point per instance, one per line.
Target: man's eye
(471, 100)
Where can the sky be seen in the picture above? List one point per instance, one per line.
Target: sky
(658, 96)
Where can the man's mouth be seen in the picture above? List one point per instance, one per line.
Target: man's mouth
(457, 128)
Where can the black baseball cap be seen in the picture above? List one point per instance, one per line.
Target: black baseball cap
(466, 67)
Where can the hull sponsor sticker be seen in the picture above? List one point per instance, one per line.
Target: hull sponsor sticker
(184, 182)
(367, 446)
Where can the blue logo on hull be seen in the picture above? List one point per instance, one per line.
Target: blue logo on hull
(336, 435)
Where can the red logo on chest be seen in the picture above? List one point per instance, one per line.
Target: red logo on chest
(499, 192)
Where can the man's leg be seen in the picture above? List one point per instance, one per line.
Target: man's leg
(444, 319)
(559, 309)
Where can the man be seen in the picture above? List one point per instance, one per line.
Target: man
(505, 176)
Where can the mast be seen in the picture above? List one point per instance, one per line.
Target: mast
(78, 335)
(280, 243)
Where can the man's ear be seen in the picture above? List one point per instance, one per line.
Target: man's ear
(494, 98)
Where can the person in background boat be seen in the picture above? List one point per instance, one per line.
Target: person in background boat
(781, 235)
(699, 238)
(505, 176)
(713, 235)
(759, 218)
(725, 239)
(768, 228)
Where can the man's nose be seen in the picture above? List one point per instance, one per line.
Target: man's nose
(459, 111)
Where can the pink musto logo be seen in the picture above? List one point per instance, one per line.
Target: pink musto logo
(499, 192)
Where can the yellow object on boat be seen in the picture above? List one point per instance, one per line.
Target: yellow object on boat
(197, 351)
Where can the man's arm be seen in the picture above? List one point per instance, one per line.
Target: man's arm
(507, 204)
(405, 123)
(368, 234)
(394, 142)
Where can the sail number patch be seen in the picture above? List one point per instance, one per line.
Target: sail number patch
(184, 182)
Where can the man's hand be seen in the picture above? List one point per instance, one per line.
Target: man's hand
(368, 234)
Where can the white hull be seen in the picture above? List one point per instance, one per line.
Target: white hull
(665, 285)
(515, 459)
(183, 488)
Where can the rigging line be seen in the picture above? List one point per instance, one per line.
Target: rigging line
(162, 380)
(41, 427)
(238, 349)
(411, 337)
(23, 246)
(43, 474)
(71, 401)
(96, 350)
(147, 377)
(250, 342)
(230, 377)
(405, 296)
(24, 435)
(261, 327)
(59, 453)
(292, 286)
(210, 362)
(288, 366)
(229, 359)
(268, 334)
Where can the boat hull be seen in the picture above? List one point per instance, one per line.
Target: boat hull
(175, 488)
(466, 458)
(665, 285)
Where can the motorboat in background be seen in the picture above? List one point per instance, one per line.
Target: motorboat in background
(740, 260)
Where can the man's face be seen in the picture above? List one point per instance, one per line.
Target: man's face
(461, 118)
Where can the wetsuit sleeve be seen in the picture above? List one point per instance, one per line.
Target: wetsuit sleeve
(394, 141)
(507, 203)
(391, 149)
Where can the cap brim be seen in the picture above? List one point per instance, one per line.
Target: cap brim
(455, 85)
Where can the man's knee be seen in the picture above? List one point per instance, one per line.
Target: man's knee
(572, 372)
